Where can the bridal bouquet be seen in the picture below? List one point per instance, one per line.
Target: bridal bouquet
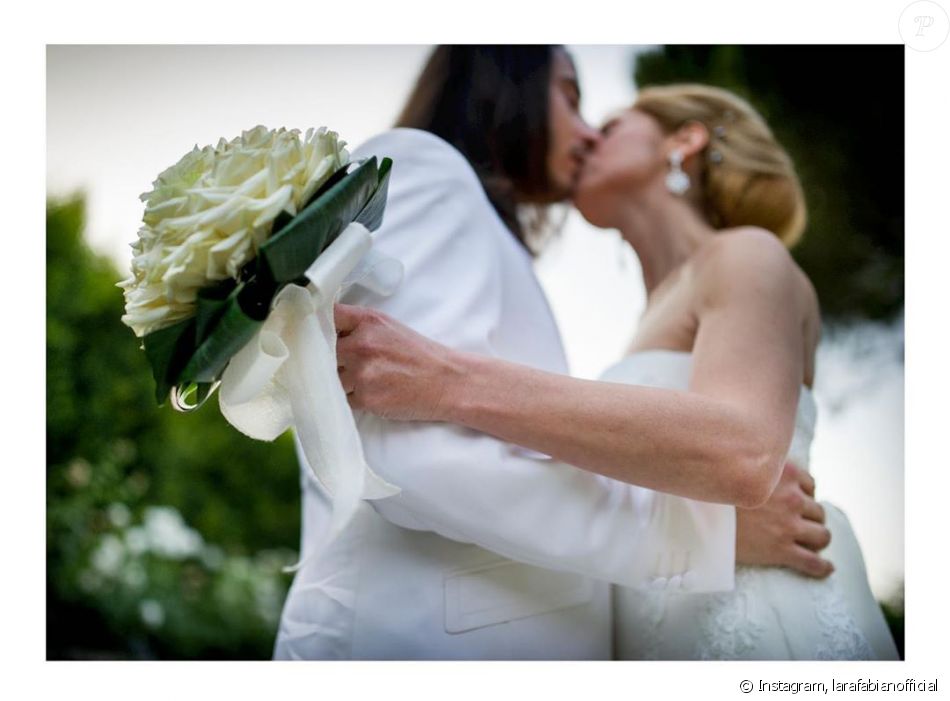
(243, 250)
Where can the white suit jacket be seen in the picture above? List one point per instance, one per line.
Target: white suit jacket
(490, 551)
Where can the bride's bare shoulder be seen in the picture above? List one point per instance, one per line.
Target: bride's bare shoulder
(744, 247)
(752, 258)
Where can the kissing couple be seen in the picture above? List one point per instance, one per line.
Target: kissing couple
(663, 512)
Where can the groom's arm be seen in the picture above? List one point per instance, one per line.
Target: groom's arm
(470, 487)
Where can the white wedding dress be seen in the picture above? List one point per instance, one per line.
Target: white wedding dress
(773, 613)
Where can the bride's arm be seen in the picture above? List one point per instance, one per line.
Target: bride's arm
(725, 440)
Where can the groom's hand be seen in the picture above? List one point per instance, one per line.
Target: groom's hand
(788, 530)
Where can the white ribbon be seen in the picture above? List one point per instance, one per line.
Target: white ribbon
(286, 376)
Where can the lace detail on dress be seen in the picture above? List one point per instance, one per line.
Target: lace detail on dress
(841, 638)
(731, 623)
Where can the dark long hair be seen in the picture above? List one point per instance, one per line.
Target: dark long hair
(491, 103)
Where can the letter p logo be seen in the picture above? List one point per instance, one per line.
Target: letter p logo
(922, 22)
(924, 25)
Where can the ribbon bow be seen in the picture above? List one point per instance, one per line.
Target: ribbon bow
(286, 376)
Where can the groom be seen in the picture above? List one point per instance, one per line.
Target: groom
(491, 551)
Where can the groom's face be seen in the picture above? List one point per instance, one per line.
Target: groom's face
(570, 136)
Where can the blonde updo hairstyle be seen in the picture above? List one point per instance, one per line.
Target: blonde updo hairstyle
(747, 178)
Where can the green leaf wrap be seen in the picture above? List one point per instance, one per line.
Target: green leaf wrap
(233, 329)
(288, 253)
(167, 351)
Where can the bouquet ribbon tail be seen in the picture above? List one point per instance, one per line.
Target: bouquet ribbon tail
(286, 376)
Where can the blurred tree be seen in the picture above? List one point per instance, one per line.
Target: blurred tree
(839, 110)
(114, 588)
(894, 615)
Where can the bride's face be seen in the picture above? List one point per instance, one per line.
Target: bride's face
(630, 157)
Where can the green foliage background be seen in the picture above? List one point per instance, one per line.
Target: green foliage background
(112, 454)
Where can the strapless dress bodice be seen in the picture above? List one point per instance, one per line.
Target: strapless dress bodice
(772, 613)
(670, 369)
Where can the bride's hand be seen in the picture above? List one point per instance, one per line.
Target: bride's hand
(390, 370)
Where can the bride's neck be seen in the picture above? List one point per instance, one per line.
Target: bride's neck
(664, 233)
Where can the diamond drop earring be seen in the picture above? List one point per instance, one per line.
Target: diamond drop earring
(677, 181)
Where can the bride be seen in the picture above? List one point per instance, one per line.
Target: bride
(714, 395)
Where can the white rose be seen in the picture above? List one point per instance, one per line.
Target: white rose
(208, 214)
